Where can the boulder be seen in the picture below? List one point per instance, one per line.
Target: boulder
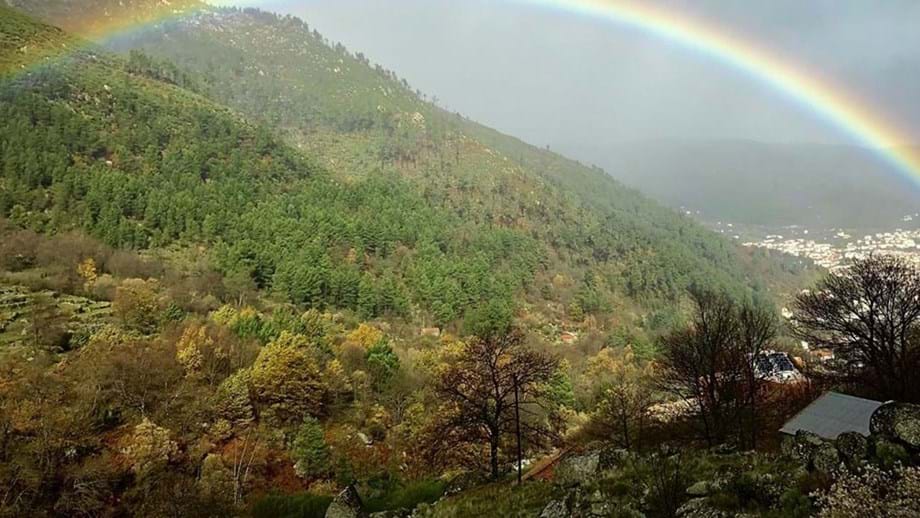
(577, 469)
(900, 421)
(853, 447)
(346, 505)
(555, 509)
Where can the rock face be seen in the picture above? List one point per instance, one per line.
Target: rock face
(581, 503)
(346, 505)
(813, 452)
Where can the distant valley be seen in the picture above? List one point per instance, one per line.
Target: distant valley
(771, 184)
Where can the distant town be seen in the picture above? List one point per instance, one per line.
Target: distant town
(833, 248)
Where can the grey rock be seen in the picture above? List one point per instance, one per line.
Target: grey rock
(611, 458)
(346, 504)
(577, 469)
(801, 447)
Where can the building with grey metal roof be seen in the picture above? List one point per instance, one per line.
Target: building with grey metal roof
(832, 414)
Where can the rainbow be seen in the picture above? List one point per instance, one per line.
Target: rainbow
(827, 102)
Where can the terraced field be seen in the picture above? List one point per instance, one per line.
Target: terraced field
(24, 314)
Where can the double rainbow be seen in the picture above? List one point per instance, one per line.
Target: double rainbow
(829, 103)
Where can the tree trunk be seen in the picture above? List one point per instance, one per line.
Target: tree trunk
(517, 429)
(493, 454)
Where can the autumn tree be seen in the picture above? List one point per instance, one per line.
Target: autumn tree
(286, 379)
(489, 392)
(710, 364)
(149, 448)
(623, 391)
(137, 304)
(869, 316)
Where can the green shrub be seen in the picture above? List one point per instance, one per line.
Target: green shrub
(309, 450)
(407, 497)
(890, 454)
(795, 504)
(305, 505)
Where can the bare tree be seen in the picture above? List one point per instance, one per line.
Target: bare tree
(711, 364)
(869, 316)
(493, 389)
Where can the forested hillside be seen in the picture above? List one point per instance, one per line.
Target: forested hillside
(357, 119)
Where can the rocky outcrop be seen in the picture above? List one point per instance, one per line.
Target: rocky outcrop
(582, 468)
(900, 421)
(346, 505)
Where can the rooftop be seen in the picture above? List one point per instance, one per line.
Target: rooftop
(832, 414)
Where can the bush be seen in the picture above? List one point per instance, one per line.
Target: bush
(407, 497)
(305, 505)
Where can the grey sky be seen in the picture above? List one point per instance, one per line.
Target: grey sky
(579, 84)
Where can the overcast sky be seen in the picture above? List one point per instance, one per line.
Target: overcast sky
(580, 85)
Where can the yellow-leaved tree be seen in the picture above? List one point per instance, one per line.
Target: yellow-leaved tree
(286, 380)
(622, 387)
